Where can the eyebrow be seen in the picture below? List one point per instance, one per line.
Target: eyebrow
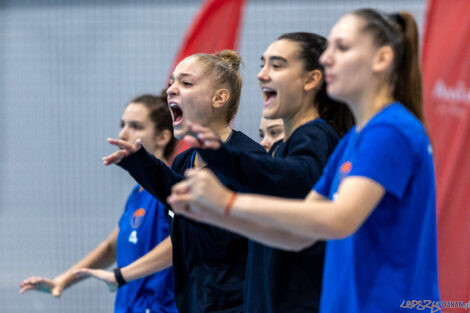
(181, 76)
(274, 126)
(130, 122)
(274, 58)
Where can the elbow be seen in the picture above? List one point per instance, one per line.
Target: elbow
(340, 230)
(333, 229)
(300, 247)
(298, 244)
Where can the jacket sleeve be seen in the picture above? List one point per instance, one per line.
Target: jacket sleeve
(151, 173)
(292, 176)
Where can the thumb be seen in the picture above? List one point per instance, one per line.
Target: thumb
(56, 292)
(138, 144)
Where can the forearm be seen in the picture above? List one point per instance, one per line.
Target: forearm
(152, 174)
(293, 176)
(101, 257)
(307, 219)
(159, 258)
(354, 201)
(265, 234)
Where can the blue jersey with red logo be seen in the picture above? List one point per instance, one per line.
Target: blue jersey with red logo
(143, 226)
(392, 257)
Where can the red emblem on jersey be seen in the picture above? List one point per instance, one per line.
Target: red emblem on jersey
(137, 218)
(345, 169)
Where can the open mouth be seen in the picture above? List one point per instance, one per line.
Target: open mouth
(176, 113)
(268, 94)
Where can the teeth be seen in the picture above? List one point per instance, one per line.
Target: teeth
(264, 89)
(172, 105)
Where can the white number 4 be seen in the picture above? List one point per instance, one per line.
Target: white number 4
(133, 237)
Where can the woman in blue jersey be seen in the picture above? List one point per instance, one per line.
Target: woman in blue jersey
(375, 201)
(142, 226)
(209, 263)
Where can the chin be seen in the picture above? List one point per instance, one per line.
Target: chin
(270, 114)
(335, 95)
(179, 132)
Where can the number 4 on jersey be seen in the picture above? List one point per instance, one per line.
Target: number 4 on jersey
(133, 237)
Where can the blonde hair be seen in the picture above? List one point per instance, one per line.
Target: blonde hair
(223, 66)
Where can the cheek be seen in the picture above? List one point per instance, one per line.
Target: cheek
(148, 140)
(200, 110)
(356, 65)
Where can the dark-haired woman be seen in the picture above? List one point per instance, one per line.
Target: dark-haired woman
(142, 226)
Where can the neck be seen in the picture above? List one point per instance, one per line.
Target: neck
(369, 104)
(223, 132)
(159, 155)
(302, 116)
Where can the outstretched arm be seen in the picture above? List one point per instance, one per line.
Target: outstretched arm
(203, 196)
(291, 176)
(259, 232)
(102, 256)
(151, 173)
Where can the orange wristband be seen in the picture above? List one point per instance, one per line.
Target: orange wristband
(230, 202)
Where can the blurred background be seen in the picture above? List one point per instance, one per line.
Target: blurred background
(67, 70)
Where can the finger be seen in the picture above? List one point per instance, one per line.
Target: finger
(26, 283)
(115, 157)
(190, 172)
(211, 144)
(193, 141)
(35, 280)
(121, 144)
(138, 144)
(179, 202)
(194, 214)
(26, 288)
(207, 135)
(180, 188)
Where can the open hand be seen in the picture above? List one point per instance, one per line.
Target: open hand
(125, 149)
(103, 275)
(201, 137)
(200, 193)
(42, 284)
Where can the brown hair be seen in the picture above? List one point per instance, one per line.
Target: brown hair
(400, 32)
(160, 115)
(336, 113)
(224, 67)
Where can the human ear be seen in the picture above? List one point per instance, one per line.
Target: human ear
(312, 79)
(383, 59)
(220, 97)
(163, 138)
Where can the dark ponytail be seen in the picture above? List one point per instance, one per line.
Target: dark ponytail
(400, 32)
(336, 113)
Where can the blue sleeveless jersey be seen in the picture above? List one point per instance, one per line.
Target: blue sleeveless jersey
(143, 226)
